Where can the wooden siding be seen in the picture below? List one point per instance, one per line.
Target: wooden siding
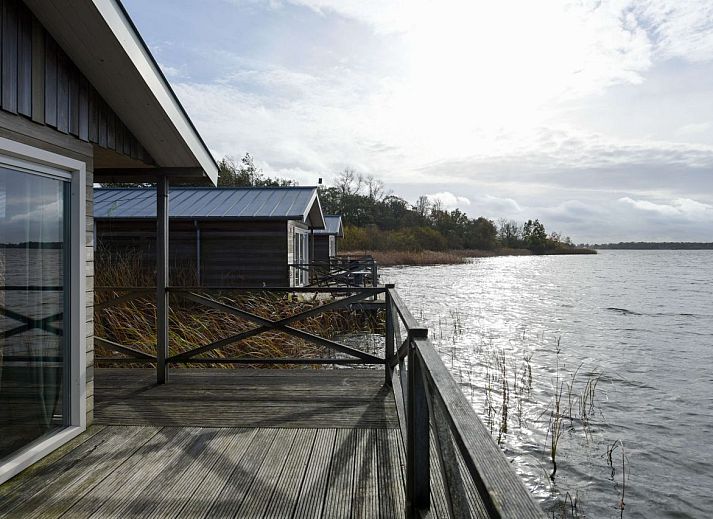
(39, 81)
(231, 253)
(321, 248)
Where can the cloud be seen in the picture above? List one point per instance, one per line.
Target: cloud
(680, 208)
(679, 29)
(448, 200)
(588, 114)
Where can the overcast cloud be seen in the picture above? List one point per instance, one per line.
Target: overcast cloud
(594, 116)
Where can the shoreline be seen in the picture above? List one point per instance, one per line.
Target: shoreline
(451, 257)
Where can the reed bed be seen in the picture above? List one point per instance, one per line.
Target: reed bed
(413, 258)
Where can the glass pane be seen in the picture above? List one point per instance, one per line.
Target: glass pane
(33, 345)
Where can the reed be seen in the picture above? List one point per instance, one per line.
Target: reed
(618, 444)
(412, 258)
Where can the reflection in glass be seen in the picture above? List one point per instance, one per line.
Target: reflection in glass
(33, 342)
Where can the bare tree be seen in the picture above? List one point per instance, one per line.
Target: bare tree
(436, 206)
(375, 188)
(423, 204)
(349, 182)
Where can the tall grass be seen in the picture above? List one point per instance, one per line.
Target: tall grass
(414, 258)
(133, 323)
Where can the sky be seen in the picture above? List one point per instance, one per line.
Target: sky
(594, 116)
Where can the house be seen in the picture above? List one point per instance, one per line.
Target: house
(325, 240)
(218, 236)
(81, 101)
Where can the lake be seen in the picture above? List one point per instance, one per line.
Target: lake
(624, 341)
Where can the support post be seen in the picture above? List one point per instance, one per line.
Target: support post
(418, 456)
(390, 317)
(162, 187)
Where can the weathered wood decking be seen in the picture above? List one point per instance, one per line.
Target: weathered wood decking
(293, 398)
(227, 443)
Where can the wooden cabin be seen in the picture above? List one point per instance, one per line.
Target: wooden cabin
(81, 100)
(325, 240)
(218, 236)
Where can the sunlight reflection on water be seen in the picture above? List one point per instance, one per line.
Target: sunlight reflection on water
(641, 320)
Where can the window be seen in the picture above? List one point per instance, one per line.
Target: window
(42, 304)
(300, 247)
(33, 306)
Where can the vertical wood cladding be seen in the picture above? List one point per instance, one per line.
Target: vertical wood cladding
(39, 81)
(321, 248)
(239, 253)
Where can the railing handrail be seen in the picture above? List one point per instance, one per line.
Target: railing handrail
(427, 387)
(503, 494)
(330, 289)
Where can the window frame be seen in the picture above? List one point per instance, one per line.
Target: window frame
(38, 161)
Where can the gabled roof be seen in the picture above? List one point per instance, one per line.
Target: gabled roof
(232, 203)
(332, 226)
(104, 44)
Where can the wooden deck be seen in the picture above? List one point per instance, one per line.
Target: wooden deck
(226, 443)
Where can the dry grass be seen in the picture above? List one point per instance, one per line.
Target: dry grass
(133, 323)
(394, 258)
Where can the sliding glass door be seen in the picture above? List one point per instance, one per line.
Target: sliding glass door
(34, 289)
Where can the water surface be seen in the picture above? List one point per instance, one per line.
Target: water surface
(639, 322)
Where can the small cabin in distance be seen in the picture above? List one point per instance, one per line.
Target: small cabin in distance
(325, 240)
(217, 236)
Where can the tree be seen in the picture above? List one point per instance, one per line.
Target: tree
(535, 236)
(509, 233)
(481, 233)
(423, 206)
(244, 173)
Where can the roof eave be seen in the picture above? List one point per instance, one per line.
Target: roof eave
(101, 39)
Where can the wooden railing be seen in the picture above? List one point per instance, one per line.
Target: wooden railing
(209, 298)
(361, 271)
(432, 409)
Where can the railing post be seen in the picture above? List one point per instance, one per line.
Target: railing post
(374, 277)
(418, 456)
(389, 347)
(162, 189)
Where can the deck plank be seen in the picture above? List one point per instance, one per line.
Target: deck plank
(126, 487)
(265, 483)
(176, 485)
(365, 494)
(314, 486)
(38, 476)
(288, 487)
(391, 474)
(212, 398)
(207, 491)
(55, 498)
(231, 497)
(338, 500)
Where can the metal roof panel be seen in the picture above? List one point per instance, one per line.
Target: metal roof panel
(288, 203)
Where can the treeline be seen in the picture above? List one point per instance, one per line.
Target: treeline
(645, 245)
(378, 220)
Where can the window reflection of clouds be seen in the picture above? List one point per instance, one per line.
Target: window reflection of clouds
(30, 208)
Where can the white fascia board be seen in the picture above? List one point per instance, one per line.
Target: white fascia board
(126, 34)
(310, 206)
